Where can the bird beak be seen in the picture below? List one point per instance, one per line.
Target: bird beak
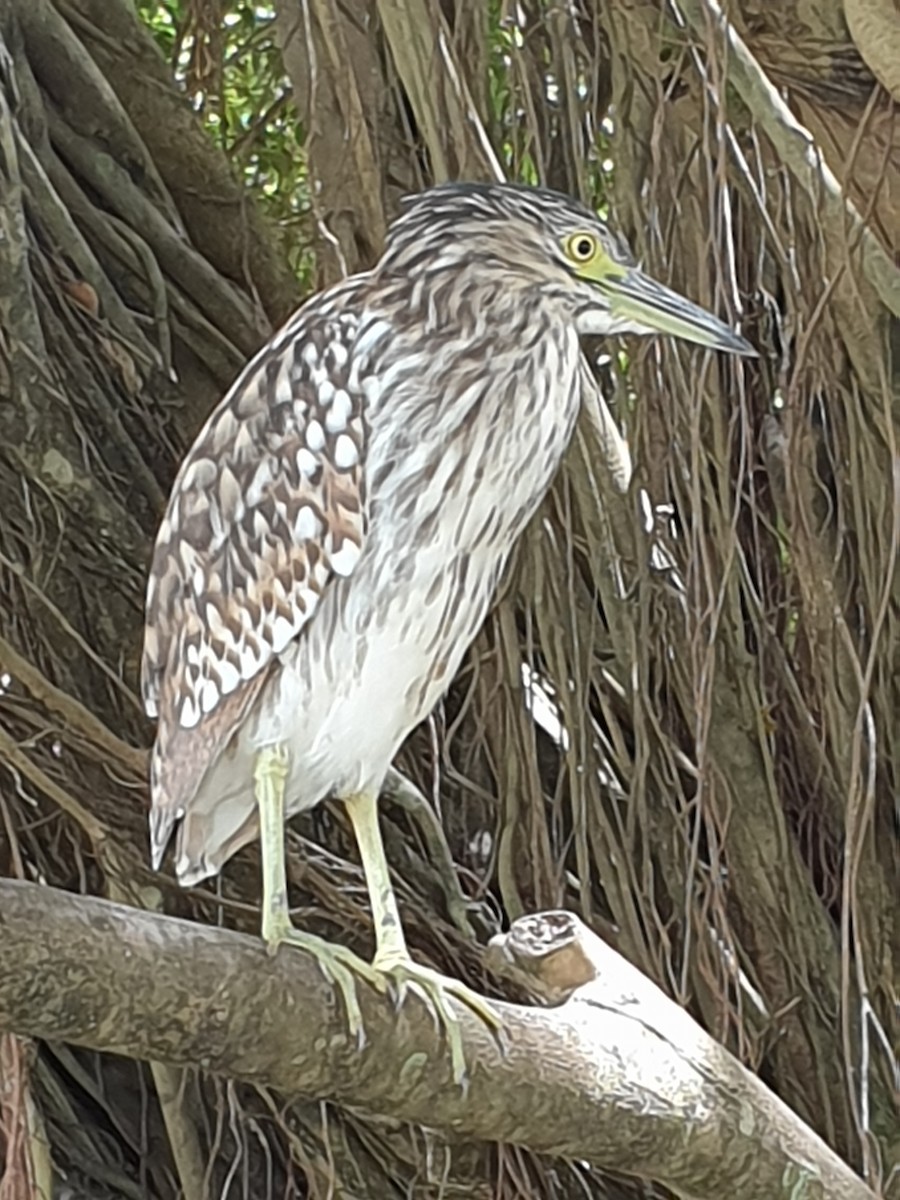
(640, 300)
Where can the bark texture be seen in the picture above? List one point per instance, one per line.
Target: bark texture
(619, 1075)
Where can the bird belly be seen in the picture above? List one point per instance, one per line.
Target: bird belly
(346, 701)
(388, 641)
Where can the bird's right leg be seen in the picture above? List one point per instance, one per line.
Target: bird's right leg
(392, 957)
(338, 964)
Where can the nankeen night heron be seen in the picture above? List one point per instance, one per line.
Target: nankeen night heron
(335, 534)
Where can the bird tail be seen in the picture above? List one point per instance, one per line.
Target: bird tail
(188, 762)
(165, 809)
(162, 822)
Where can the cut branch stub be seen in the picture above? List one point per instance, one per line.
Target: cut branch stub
(552, 954)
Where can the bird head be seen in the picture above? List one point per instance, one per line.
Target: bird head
(526, 236)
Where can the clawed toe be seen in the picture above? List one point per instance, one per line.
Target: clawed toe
(434, 989)
(340, 966)
(396, 973)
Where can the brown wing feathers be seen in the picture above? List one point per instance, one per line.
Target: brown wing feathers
(267, 507)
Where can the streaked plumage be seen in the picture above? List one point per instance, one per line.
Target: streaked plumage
(336, 533)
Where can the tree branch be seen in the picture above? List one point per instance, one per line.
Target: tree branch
(619, 1075)
(875, 30)
(797, 149)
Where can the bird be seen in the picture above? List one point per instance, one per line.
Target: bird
(335, 534)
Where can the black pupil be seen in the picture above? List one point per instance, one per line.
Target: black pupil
(583, 247)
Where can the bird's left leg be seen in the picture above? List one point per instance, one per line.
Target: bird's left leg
(392, 956)
(339, 965)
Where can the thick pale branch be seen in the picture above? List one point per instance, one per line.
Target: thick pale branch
(622, 1078)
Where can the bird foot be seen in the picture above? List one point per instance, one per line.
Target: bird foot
(340, 966)
(434, 989)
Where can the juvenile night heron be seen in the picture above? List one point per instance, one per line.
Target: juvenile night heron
(335, 534)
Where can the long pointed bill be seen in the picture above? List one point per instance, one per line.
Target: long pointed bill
(637, 298)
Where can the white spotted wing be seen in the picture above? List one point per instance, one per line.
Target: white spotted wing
(267, 508)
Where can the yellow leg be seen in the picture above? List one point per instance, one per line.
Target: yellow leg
(338, 964)
(391, 954)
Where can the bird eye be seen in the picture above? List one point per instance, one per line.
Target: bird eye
(581, 247)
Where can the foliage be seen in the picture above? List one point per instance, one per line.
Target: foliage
(226, 58)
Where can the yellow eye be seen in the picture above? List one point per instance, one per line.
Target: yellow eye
(581, 247)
